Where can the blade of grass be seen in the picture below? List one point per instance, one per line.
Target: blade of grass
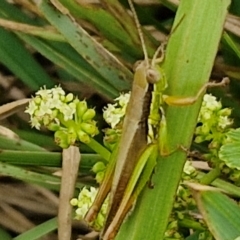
(38, 231)
(12, 53)
(44, 180)
(189, 59)
(44, 159)
(61, 54)
(87, 47)
(221, 213)
(42, 32)
(66, 57)
(18, 144)
(114, 32)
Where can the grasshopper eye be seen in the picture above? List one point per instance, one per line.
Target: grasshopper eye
(136, 65)
(153, 75)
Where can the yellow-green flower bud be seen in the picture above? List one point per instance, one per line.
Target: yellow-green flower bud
(69, 97)
(89, 128)
(99, 177)
(54, 114)
(46, 120)
(72, 137)
(37, 100)
(74, 202)
(111, 135)
(89, 114)
(177, 235)
(199, 139)
(83, 137)
(61, 139)
(53, 127)
(99, 222)
(180, 215)
(98, 167)
(225, 112)
(81, 108)
(172, 225)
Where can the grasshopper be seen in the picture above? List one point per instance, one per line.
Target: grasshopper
(134, 158)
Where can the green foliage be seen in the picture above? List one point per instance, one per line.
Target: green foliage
(69, 46)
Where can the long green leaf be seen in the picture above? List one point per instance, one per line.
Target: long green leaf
(221, 214)
(39, 231)
(114, 32)
(63, 55)
(188, 62)
(15, 57)
(87, 47)
(230, 152)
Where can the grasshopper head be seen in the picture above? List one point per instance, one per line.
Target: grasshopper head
(153, 75)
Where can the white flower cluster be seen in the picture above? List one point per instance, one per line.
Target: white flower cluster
(44, 108)
(114, 113)
(83, 203)
(212, 118)
(64, 114)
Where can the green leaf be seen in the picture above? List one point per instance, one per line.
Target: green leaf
(39, 231)
(188, 63)
(93, 52)
(44, 180)
(61, 54)
(230, 151)
(16, 58)
(221, 214)
(121, 32)
(4, 234)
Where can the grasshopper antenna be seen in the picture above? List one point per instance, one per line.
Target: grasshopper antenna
(160, 49)
(139, 30)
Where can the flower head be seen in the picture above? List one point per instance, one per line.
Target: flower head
(60, 113)
(84, 202)
(114, 113)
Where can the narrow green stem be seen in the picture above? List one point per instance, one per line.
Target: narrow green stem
(98, 148)
(190, 224)
(224, 185)
(211, 176)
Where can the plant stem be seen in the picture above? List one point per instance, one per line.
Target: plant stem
(98, 148)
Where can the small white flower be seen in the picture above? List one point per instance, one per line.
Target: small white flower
(35, 123)
(114, 113)
(108, 114)
(123, 99)
(45, 108)
(224, 122)
(68, 112)
(58, 91)
(44, 93)
(81, 211)
(211, 102)
(188, 168)
(32, 107)
(56, 103)
(206, 115)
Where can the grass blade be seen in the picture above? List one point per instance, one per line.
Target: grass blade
(187, 68)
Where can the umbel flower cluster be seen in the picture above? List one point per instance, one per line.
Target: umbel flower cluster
(84, 202)
(213, 122)
(66, 115)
